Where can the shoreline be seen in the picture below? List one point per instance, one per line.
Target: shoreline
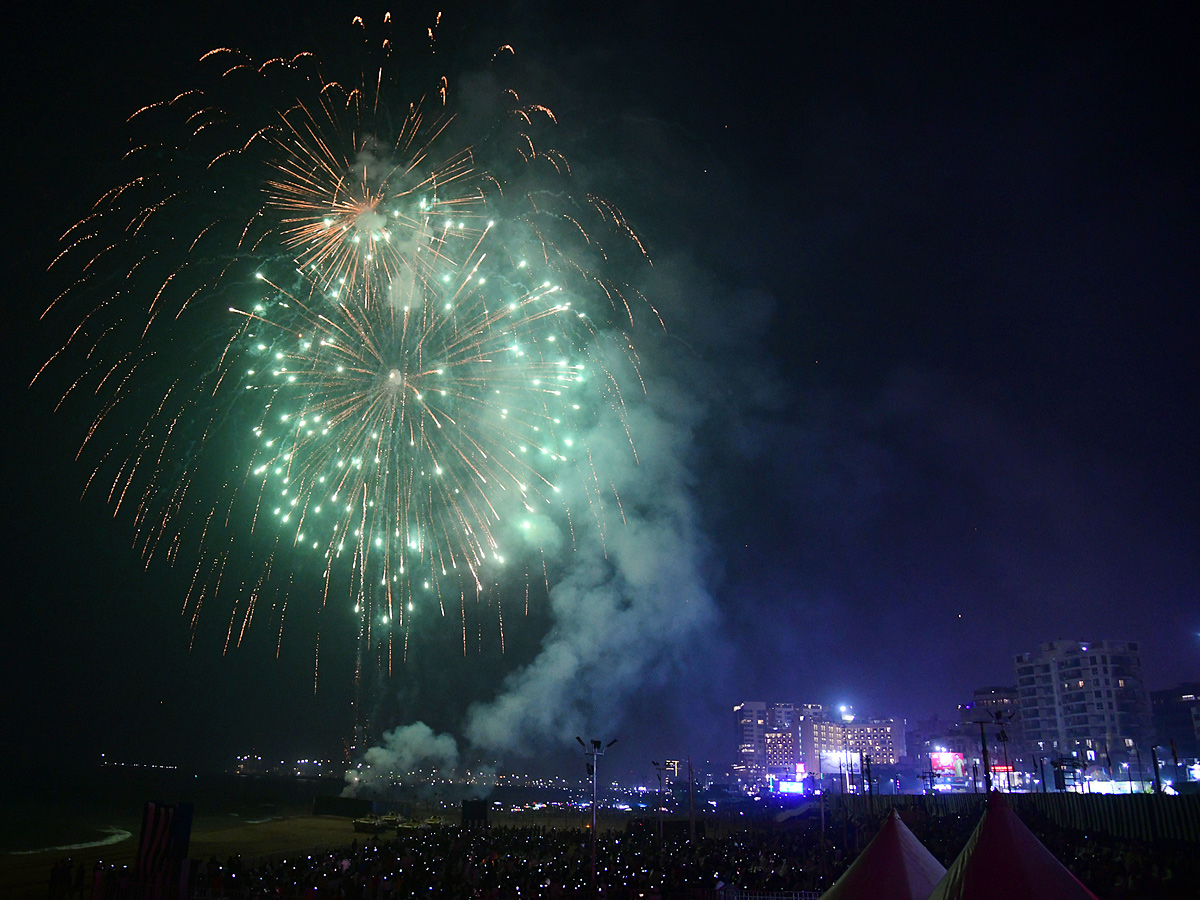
(117, 836)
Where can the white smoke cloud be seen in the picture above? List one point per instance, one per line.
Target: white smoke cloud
(404, 750)
(628, 608)
(628, 604)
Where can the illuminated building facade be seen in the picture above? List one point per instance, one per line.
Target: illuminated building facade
(824, 738)
(781, 757)
(881, 739)
(773, 739)
(819, 737)
(1084, 699)
(751, 724)
(769, 739)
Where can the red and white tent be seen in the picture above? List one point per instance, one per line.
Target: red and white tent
(1004, 860)
(894, 866)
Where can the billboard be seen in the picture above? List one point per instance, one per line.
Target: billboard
(943, 762)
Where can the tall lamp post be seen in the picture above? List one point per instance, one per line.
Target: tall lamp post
(660, 769)
(594, 752)
(998, 719)
(987, 766)
(1002, 737)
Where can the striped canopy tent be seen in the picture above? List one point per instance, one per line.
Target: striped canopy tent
(1004, 860)
(894, 866)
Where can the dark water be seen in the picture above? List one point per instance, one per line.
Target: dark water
(56, 809)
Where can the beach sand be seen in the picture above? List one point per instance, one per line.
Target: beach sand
(25, 877)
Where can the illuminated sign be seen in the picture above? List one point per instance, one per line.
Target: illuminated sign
(943, 762)
(791, 787)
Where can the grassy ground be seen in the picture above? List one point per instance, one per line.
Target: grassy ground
(26, 877)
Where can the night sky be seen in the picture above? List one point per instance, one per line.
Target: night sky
(930, 281)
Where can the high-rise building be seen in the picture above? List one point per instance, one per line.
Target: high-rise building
(991, 704)
(781, 716)
(881, 739)
(768, 737)
(1177, 718)
(769, 740)
(751, 724)
(819, 738)
(780, 753)
(773, 738)
(825, 742)
(1084, 699)
(998, 707)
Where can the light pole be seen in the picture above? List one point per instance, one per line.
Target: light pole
(865, 767)
(660, 769)
(1002, 737)
(987, 767)
(595, 752)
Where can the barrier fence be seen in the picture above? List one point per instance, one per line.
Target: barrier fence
(1142, 817)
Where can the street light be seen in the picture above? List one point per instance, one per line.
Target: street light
(1002, 737)
(660, 769)
(595, 752)
(987, 765)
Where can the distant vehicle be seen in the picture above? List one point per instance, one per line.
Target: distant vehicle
(371, 825)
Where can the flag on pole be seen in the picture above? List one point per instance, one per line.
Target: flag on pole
(166, 833)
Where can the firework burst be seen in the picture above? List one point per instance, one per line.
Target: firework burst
(412, 431)
(322, 328)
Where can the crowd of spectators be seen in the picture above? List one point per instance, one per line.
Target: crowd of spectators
(1118, 869)
(505, 863)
